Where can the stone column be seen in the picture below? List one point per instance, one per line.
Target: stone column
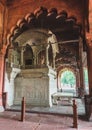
(77, 80)
(1, 80)
(54, 55)
(82, 86)
(35, 60)
(35, 51)
(89, 61)
(89, 48)
(47, 56)
(22, 61)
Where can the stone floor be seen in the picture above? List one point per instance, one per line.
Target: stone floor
(58, 117)
(10, 120)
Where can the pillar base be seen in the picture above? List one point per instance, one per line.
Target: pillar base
(1, 108)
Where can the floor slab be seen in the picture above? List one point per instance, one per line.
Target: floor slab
(33, 121)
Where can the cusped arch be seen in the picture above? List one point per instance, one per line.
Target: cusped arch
(62, 70)
(67, 68)
(40, 16)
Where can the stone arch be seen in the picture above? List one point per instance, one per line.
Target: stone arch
(28, 56)
(68, 68)
(34, 20)
(62, 70)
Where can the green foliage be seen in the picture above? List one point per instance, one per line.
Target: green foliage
(68, 77)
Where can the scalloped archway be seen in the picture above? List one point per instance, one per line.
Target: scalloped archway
(46, 19)
(63, 69)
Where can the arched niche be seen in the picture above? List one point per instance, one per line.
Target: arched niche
(28, 57)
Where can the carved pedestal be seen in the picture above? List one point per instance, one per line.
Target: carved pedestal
(36, 85)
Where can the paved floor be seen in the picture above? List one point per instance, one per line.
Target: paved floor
(11, 121)
(58, 117)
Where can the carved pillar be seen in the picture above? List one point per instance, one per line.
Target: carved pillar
(54, 55)
(89, 61)
(47, 55)
(35, 59)
(22, 51)
(1, 79)
(35, 52)
(82, 86)
(77, 80)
